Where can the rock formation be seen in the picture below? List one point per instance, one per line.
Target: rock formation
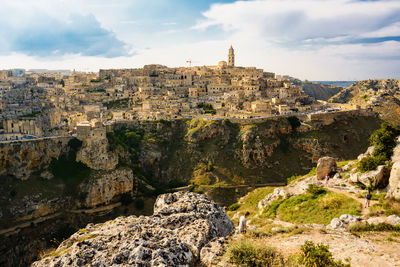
(394, 179)
(101, 188)
(182, 224)
(21, 159)
(325, 166)
(95, 155)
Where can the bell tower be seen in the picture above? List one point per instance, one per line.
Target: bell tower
(231, 57)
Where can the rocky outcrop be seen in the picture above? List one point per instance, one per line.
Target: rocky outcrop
(394, 182)
(101, 188)
(343, 222)
(294, 189)
(183, 223)
(94, 154)
(325, 166)
(346, 220)
(376, 178)
(394, 179)
(21, 159)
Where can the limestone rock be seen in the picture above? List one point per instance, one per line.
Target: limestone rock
(378, 177)
(212, 251)
(101, 188)
(47, 175)
(21, 159)
(182, 225)
(343, 222)
(325, 166)
(94, 154)
(394, 182)
(393, 220)
(278, 193)
(367, 153)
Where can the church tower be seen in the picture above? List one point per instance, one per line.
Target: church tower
(231, 57)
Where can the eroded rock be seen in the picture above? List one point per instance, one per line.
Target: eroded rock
(182, 225)
(325, 166)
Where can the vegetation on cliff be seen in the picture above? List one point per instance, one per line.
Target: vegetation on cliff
(383, 140)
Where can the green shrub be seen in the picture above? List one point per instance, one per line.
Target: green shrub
(315, 190)
(371, 163)
(270, 212)
(318, 256)
(245, 253)
(384, 140)
(366, 227)
(234, 207)
(210, 166)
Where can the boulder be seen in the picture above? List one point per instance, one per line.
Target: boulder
(343, 222)
(325, 166)
(394, 182)
(182, 225)
(393, 220)
(376, 178)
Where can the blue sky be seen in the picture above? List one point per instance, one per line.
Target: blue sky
(309, 39)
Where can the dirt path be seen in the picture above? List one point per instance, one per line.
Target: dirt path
(364, 210)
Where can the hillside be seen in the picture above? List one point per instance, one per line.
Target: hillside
(383, 96)
(53, 195)
(320, 91)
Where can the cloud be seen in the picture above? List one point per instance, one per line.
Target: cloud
(297, 22)
(48, 36)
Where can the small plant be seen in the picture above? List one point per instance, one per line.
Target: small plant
(318, 256)
(315, 190)
(245, 253)
(234, 207)
(366, 227)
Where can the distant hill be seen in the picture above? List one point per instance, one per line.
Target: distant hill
(320, 91)
(382, 95)
(343, 84)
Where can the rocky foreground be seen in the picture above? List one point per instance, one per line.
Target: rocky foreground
(179, 233)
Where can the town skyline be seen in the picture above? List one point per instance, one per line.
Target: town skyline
(313, 39)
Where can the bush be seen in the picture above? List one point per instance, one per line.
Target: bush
(234, 207)
(366, 227)
(210, 167)
(246, 253)
(371, 163)
(315, 190)
(384, 140)
(318, 256)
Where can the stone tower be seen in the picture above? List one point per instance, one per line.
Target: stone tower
(231, 57)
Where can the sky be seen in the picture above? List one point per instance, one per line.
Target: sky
(307, 39)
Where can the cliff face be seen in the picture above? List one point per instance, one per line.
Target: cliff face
(94, 154)
(241, 153)
(102, 187)
(21, 159)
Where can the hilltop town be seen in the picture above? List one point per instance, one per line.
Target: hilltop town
(57, 103)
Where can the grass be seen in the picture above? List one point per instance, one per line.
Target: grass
(248, 253)
(250, 201)
(366, 227)
(386, 206)
(321, 208)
